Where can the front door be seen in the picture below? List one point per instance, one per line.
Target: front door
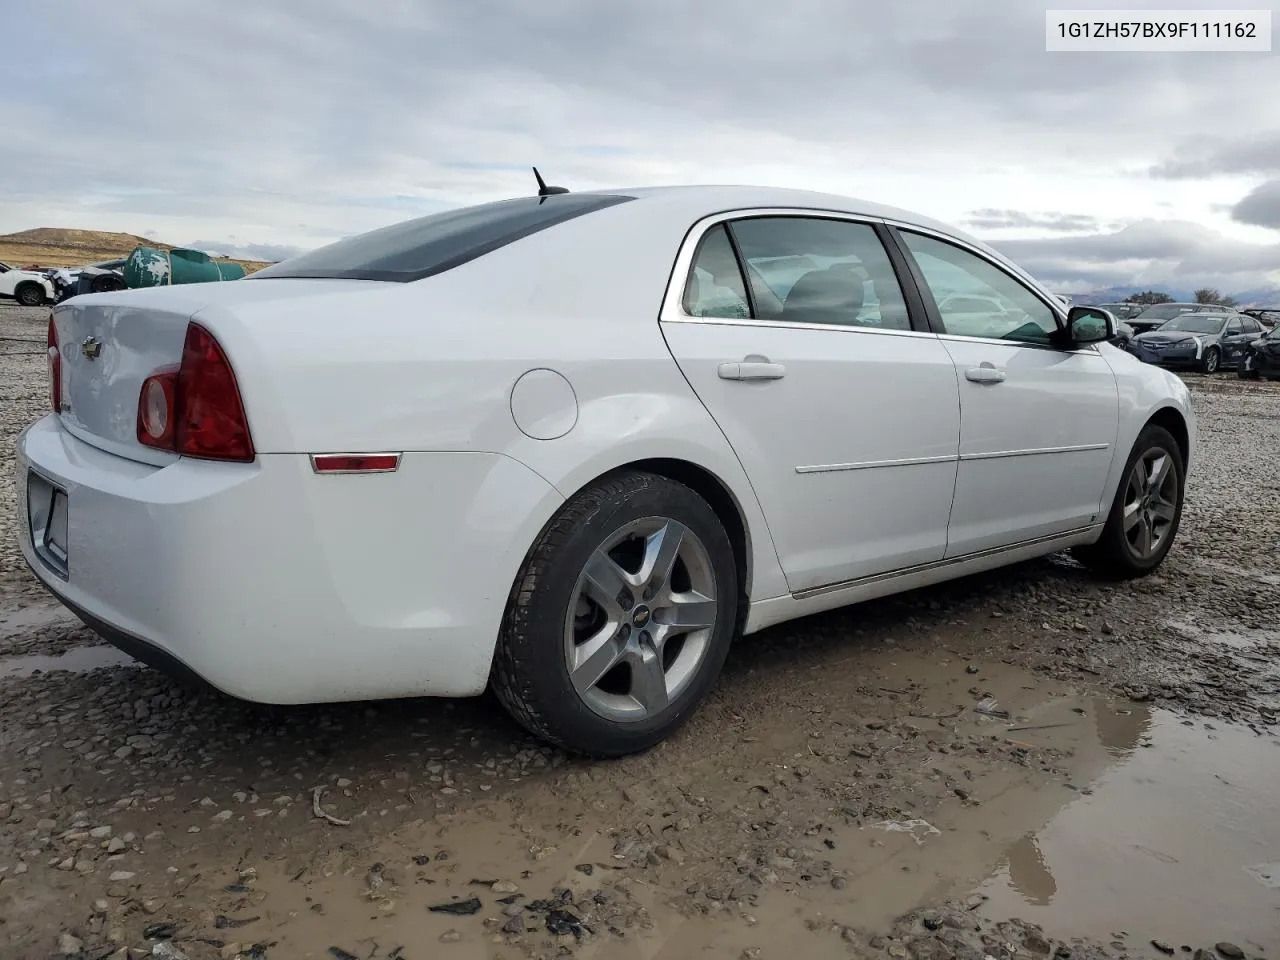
(1038, 424)
(794, 332)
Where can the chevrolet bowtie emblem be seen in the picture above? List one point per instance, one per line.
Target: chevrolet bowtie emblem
(91, 347)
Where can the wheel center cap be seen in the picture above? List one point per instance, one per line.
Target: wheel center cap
(641, 616)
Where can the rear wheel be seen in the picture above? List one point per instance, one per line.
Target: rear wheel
(1247, 369)
(29, 294)
(1146, 511)
(621, 617)
(1211, 361)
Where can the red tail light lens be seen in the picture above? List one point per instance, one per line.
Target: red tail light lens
(197, 411)
(54, 355)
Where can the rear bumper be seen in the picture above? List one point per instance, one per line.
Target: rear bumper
(277, 585)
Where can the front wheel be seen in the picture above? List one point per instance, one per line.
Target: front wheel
(29, 294)
(1145, 513)
(1211, 361)
(620, 619)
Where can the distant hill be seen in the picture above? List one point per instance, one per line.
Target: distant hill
(1260, 297)
(59, 247)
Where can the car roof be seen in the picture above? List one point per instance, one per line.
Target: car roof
(687, 204)
(706, 200)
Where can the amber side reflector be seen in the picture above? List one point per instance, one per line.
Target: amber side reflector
(355, 462)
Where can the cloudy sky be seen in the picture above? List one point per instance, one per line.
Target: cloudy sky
(276, 125)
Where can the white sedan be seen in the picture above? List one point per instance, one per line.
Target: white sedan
(572, 445)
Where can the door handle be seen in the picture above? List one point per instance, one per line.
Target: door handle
(985, 373)
(751, 370)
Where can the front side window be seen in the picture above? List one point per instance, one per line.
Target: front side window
(1234, 328)
(820, 270)
(977, 299)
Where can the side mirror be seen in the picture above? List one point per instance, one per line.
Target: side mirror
(1089, 325)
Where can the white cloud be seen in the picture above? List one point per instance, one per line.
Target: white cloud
(290, 124)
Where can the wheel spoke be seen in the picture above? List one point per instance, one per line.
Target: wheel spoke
(1159, 471)
(1132, 515)
(1164, 510)
(1143, 545)
(594, 658)
(648, 681)
(687, 611)
(660, 551)
(1137, 482)
(604, 581)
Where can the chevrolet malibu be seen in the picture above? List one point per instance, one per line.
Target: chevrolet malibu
(571, 446)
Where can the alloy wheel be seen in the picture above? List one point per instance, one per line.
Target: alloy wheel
(640, 619)
(1151, 502)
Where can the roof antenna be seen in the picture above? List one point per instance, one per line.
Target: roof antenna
(544, 190)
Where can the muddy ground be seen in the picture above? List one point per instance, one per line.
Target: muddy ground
(1028, 763)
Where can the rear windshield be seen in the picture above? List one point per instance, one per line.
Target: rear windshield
(1164, 311)
(420, 248)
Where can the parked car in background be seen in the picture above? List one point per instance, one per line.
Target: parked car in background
(1124, 335)
(585, 519)
(28, 287)
(1198, 341)
(1154, 315)
(92, 278)
(1122, 311)
(1262, 357)
(1269, 317)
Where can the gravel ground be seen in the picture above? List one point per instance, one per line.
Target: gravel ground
(850, 784)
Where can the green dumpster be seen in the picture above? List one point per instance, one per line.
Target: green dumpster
(152, 267)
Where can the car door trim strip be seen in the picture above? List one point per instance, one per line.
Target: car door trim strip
(948, 458)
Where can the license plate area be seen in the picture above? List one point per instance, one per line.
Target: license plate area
(47, 521)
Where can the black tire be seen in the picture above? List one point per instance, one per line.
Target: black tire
(1245, 371)
(29, 294)
(1113, 556)
(1211, 360)
(105, 284)
(530, 673)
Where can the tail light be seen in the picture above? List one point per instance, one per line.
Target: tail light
(54, 355)
(196, 410)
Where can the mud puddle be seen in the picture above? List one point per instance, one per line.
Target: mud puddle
(1178, 841)
(16, 622)
(75, 660)
(1134, 823)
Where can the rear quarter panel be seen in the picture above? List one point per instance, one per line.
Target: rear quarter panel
(430, 365)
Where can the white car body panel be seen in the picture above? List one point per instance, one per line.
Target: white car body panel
(1027, 468)
(12, 278)
(281, 585)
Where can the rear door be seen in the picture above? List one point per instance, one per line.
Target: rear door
(1038, 424)
(795, 333)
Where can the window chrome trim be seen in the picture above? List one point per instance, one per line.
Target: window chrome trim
(793, 325)
(1088, 348)
(673, 311)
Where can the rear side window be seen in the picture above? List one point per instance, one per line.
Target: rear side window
(715, 287)
(420, 248)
